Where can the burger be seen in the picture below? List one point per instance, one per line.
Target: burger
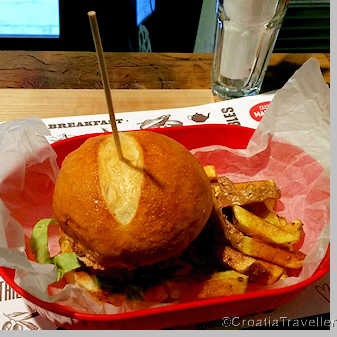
(129, 220)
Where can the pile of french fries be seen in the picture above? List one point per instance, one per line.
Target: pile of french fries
(258, 243)
(253, 243)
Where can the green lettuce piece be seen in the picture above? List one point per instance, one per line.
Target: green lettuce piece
(64, 262)
(39, 241)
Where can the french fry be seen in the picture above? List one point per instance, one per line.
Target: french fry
(261, 189)
(257, 248)
(294, 225)
(270, 204)
(83, 279)
(261, 210)
(210, 172)
(258, 271)
(90, 283)
(264, 210)
(224, 283)
(265, 272)
(257, 227)
(234, 259)
(229, 193)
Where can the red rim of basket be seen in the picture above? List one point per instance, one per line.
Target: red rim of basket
(68, 312)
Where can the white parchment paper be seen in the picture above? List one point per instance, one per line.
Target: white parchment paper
(290, 146)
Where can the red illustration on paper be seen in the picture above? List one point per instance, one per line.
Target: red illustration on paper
(258, 110)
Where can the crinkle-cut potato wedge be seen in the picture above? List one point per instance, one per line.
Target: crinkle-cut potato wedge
(258, 271)
(224, 283)
(229, 193)
(256, 248)
(257, 227)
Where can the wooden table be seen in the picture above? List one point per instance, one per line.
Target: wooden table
(69, 71)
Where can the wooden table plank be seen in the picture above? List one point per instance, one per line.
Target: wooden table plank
(69, 71)
(79, 70)
(24, 103)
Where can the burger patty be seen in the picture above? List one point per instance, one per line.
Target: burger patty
(88, 258)
(195, 260)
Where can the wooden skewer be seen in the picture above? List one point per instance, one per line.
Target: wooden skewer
(104, 75)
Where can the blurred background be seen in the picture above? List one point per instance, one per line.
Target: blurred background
(146, 26)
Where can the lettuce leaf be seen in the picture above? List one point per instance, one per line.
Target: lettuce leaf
(63, 262)
(39, 240)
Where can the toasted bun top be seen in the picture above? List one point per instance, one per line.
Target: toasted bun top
(125, 214)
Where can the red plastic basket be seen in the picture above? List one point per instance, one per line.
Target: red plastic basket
(183, 313)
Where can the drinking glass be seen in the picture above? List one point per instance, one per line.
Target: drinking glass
(245, 36)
